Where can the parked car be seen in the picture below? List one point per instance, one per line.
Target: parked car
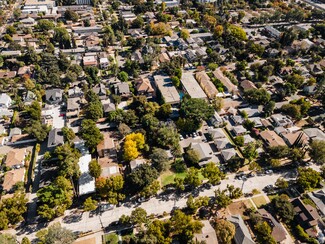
(269, 172)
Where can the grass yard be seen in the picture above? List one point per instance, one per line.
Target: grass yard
(259, 201)
(169, 177)
(111, 238)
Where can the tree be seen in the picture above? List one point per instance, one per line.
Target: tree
(123, 76)
(183, 226)
(25, 240)
(317, 151)
(132, 144)
(164, 111)
(176, 81)
(212, 173)
(111, 188)
(264, 231)
(45, 25)
(150, 190)
(195, 110)
(191, 157)
(10, 30)
(225, 231)
(94, 111)
(281, 183)
(217, 103)
(90, 204)
(91, 134)
(292, 110)
(239, 141)
(124, 129)
(71, 15)
(308, 178)
(55, 198)
(61, 35)
(142, 176)
(12, 209)
(38, 131)
(56, 234)
(7, 239)
(179, 184)
(68, 134)
(34, 111)
(68, 158)
(268, 108)
(222, 200)
(185, 34)
(138, 216)
(159, 159)
(237, 32)
(192, 178)
(257, 96)
(283, 208)
(250, 151)
(94, 168)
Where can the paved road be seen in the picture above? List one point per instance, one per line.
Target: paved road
(153, 206)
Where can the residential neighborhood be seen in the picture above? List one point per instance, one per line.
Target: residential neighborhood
(162, 121)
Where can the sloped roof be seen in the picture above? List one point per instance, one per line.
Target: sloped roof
(242, 235)
(15, 157)
(12, 177)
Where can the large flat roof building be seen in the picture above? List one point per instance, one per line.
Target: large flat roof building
(191, 87)
(168, 91)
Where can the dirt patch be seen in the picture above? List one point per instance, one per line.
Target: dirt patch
(239, 207)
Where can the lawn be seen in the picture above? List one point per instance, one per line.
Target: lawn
(169, 177)
(111, 238)
(259, 201)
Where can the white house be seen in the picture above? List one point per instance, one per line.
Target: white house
(5, 100)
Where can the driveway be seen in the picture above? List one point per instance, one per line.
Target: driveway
(58, 121)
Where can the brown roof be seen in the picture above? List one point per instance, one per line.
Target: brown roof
(163, 58)
(15, 157)
(206, 84)
(108, 168)
(278, 231)
(292, 137)
(308, 215)
(12, 177)
(272, 139)
(7, 74)
(144, 85)
(107, 143)
(247, 85)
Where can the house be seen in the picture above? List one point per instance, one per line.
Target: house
(100, 90)
(207, 234)
(73, 107)
(29, 98)
(11, 178)
(272, 31)
(227, 154)
(25, 70)
(137, 56)
(307, 216)
(318, 198)
(55, 138)
(86, 183)
(89, 61)
(315, 134)
(109, 168)
(222, 143)
(281, 120)
(278, 231)
(5, 100)
(271, 139)
(237, 119)
(239, 130)
(143, 87)
(7, 74)
(104, 63)
(247, 85)
(191, 87)
(292, 138)
(15, 158)
(163, 57)
(53, 96)
(248, 139)
(216, 120)
(217, 133)
(135, 163)
(225, 81)
(168, 91)
(204, 150)
(206, 84)
(14, 131)
(122, 89)
(75, 92)
(106, 148)
(242, 235)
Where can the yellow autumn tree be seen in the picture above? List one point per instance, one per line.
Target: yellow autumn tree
(132, 144)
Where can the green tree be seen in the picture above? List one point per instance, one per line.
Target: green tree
(281, 183)
(264, 231)
(257, 96)
(317, 151)
(185, 34)
(195, 110)
(25, 240)
(37, 130)
(239, 141)
(225, 231)
(151, 189)
(212, 173)
(283, 208)
(292, 110)
(68, 134)
(191, 157)
(111, 188)
(90, 204)
(176, 81)
(308, 178)
(71, 15)
(250, 151)
(68, 159)
(94, 168)
(222, 200)
(138, 216)
(123, 76)
(56, 234)
(142, 176)
(159, 159)
(192, 178)
(164, 111)
(62, 36)
(10, 30)
(91, 134)
(7, 239)
(45, 25)
(237, 32)
(268, 108)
